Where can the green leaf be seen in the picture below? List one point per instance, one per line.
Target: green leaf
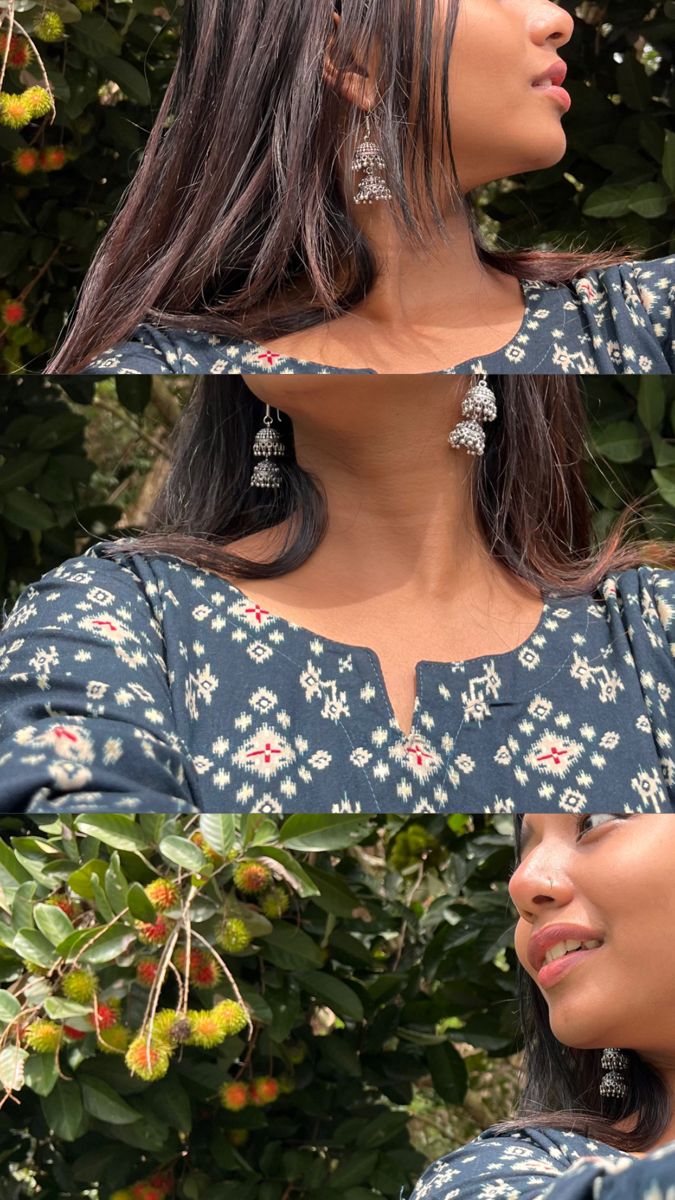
(12, 1066)
(33, 945)
(664, 452)
(651, 401)
(218, 831)
(333, 992)
(63, 1110)
(26, 511)
(113, 829)
(102, 1102)
(60, 1009)
(608, 201)
(80, 880)
(665, 482)
(448, 1072)
(9, 1006)
(125, 74)
(22, 905)
(352, 1169)
(52, 922)
(22, 468)
(42, 1073)
(387, 1127)
(291, 948)
(115, 884)
(95, 37)
(182, 851)
(170, 1103)
(618, 441)
(305, 831)
(283, 864)
(650, 200)
(334, 895)
(12, 873)
(140, 906)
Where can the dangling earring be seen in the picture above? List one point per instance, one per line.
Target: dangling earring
(267, 445)
(614, 1062)
(479, 404)
(369, 158)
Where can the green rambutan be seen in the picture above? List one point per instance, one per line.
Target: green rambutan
(234, 937)
(80, 985)
(275, 902)
(44, 1036)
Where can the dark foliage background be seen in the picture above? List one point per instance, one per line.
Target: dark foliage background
(81, 457)
(108, 73)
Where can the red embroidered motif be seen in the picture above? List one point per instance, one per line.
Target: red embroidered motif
(269, 750)
(61, 732)
(258, 611)
(419, 752)
(269, 357)
(555, 754)
(108, 623)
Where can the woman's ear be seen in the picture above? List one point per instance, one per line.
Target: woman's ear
(354, 83)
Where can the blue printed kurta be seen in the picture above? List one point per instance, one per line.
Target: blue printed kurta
(618, 320)
(151, 683)
(547, 1164)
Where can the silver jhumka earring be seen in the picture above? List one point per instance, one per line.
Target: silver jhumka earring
(479, 404)
(369, 158)
(614, 1062)
(267, 446)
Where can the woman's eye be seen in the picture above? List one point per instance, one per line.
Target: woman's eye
(599, 818)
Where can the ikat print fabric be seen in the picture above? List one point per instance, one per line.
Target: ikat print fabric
(148, 683)
(547, 1164)
(614, 321)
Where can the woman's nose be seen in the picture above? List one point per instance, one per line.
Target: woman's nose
(537, 883)
(549, 23)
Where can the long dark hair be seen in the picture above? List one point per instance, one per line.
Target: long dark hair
(561, 1083)
(528, 490)
(237, 221)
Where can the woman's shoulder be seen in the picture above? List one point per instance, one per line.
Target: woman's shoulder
(85, 581)
(499, 1163)
(160, 351)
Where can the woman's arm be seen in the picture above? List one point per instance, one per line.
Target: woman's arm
(86, 717)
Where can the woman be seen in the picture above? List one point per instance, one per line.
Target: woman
(302, 205)
(391, 624)
(596, 1117)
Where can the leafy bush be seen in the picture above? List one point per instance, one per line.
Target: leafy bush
(76, 452)
(108, 63)
(135, 949)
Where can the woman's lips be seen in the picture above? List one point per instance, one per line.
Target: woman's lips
(555, 92)
(551, 972)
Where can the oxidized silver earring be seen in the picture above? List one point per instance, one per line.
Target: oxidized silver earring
(614, 1062)
(369, 158)
(268, 444)
(479, 404)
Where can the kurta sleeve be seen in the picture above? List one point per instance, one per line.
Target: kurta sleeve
(86, 717)
(515, 1169)
(655, 285)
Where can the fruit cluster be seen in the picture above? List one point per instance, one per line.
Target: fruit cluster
(149, 1054)
(239, 1094)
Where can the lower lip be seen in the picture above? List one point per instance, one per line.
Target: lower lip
(557, 93)
(553, 971)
